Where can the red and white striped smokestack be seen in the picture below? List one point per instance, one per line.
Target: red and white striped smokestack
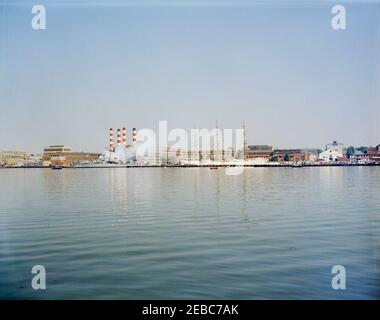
(134, 135)
(111, 140)
(124, 136)
(118, 137)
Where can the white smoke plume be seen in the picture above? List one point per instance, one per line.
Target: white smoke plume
(125, 154)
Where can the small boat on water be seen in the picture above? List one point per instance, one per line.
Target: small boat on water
(56, 168)
(297, 165)
(214, 168)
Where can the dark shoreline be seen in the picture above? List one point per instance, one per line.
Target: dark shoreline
(207, 166)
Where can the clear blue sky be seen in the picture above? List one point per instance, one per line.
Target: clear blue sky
(277, 65)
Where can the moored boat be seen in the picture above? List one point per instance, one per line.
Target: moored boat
(297, 165)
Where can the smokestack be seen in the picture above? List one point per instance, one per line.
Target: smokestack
(111, 140)
(118, 137)
(134, 135)
(124, 136)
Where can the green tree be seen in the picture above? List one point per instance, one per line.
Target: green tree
(363, 149)
(350, 151)
(286, 157)
(273, 159)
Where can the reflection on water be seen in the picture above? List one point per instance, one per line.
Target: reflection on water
(118, 194)
(190, 233)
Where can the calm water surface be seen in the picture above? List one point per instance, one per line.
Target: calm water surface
(270, 233)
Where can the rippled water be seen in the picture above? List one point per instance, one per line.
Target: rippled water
(270, 233)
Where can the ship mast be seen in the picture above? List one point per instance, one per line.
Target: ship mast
(217, 141)
(245, 141)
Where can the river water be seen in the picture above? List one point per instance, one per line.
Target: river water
(190, 233)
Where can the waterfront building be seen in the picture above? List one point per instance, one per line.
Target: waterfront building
(33, 160)
(334, 152)
(359, 157)
(373, 153)
(12, 158)
(293, 155)
(330, 155)
(61, 155)
(258, 152)
(6, 155)
(343, 159)
(335, 146)
(312, 157)
(57, 148)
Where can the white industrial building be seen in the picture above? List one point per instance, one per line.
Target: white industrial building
(335, 146)
(330, 155)
(333, 152)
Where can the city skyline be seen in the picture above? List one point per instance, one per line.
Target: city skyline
(282, 69)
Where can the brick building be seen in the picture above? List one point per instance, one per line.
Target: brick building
(373, 153)
(258, 151)
(293, 155)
